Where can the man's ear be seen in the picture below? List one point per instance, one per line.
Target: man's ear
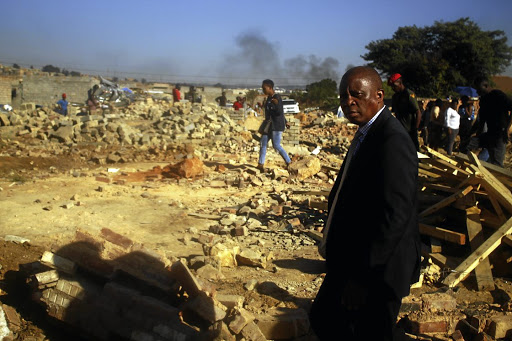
(380, 94)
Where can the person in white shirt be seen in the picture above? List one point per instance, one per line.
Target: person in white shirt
(452, 123)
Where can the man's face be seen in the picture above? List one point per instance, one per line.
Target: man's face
(359, 99)
(397, 85)
(266, 89)
(482, 88)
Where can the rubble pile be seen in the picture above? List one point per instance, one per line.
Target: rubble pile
(110, 287)
(145, 123)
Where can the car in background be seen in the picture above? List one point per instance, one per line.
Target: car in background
(290, 106)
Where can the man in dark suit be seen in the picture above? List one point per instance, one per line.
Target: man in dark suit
(371, 237)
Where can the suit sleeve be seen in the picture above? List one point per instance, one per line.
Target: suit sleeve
(397, 177)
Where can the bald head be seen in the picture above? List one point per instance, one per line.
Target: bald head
(365, 72)
(361, 94)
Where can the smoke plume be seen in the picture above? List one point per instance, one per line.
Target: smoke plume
(257, 58)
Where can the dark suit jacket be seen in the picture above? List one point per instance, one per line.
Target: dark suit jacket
(374, 234)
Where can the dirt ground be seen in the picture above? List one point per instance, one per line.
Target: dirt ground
(35, 199)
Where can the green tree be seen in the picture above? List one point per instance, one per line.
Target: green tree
(251, 96)
(50, 68)
(433, 60)
(323, 94)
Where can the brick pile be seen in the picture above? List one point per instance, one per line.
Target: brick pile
(110, 287)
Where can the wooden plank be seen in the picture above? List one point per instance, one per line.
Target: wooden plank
(444, 261)
(483, 272)
(422, 171)
(489, 219)
(443, 234)
(500, 171)
(319, 205)
(445, 202)
(481, 253)
(439, 187)
(439, 155)
(435, 245)
(497, 208)
(449, 166)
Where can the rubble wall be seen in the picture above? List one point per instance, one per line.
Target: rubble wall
(46, 90)
(5, 91)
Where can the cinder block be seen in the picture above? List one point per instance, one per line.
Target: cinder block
(500, 326)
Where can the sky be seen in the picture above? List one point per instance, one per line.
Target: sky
(231, 42)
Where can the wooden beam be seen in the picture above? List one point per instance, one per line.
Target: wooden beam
(483, 272)
(454, 168)
(481, 253)
(439, 155)
(497, 208)
(443, 234)
(422, 171)
(447, 201)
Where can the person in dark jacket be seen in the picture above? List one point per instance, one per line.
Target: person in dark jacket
(273, 111)
(371, 237)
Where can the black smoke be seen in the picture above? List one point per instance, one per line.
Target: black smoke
(257, 58)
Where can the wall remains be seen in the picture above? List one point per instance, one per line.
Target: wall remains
(47, 90)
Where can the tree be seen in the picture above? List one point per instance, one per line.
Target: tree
(251, 95)
(433, 60)
(143, 81)
(15, 66)
(323, 93)
(50, 68)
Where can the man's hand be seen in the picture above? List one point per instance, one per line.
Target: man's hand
(275, 101)
(354, 295)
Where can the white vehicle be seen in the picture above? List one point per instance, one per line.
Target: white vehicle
(290, 106)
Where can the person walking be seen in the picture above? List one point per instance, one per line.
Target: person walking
(405, 107)
(371, 237)
(274, 112)
(452, 124)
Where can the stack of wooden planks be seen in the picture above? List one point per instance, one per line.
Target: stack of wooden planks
(451, 185)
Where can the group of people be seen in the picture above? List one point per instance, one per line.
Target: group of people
(440, 122)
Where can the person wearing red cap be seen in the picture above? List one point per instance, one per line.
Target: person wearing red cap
(63, 105)
(405, 107)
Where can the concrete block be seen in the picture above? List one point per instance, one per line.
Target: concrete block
(207, 308)
(240, 320)
(438, 302)
(58, 262)
(181, 273)
(253, 333)
(12, 317)
(500, 326)
(281, 324)
(231, 301)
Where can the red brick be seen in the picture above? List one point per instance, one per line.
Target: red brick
(277, 210)
(421, 327)
(116, 238)
(103, 179)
